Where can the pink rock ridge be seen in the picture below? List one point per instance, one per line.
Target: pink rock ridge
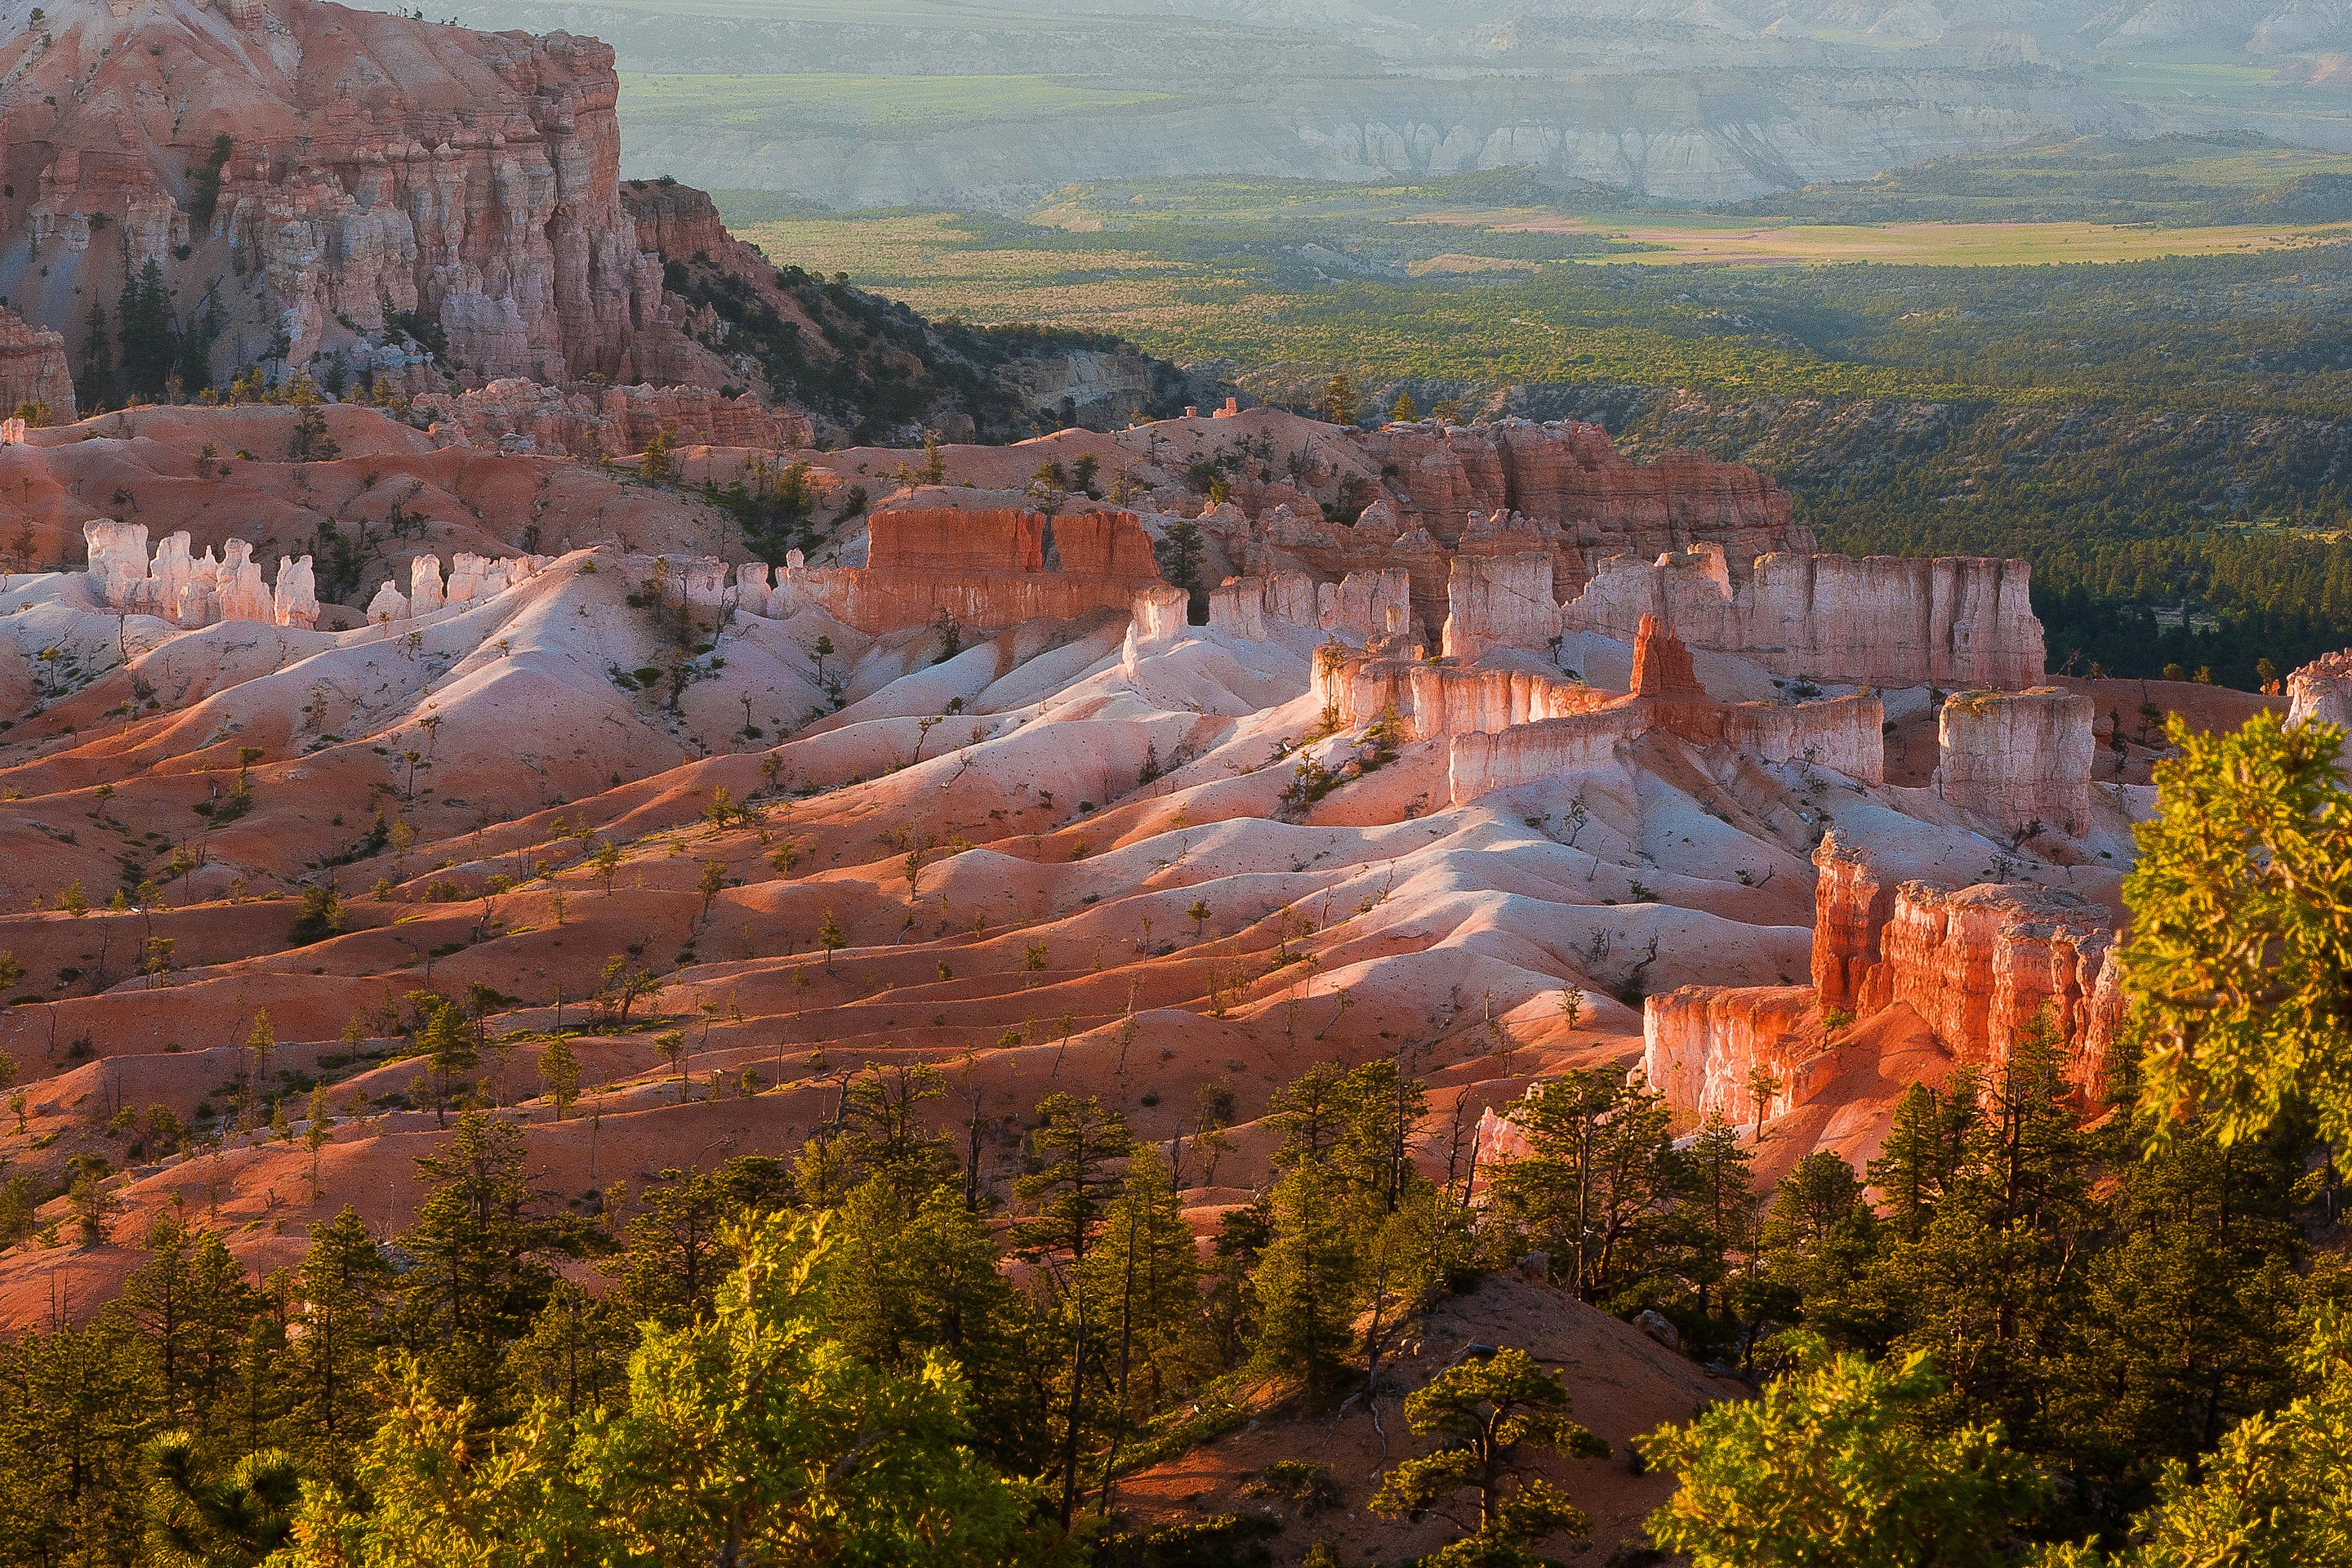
(353, 163)
(1845, 733)
(1978, 966)
(987, 569)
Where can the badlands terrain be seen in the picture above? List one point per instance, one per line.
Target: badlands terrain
(1478, 746)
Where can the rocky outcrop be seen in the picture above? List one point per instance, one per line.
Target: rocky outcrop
(1950, 621)
(472, 579)
(1500, 601)
(2322, 691)
(190, 591)
(33, 369)
(1844, 734)
(1566, 484)
(355, 165)
(1437, 700)
(1978, 965)
(985, 570)
(1851, 905)
(2018, 760)
(1981, 966)
(515, 415)
(1744, 1053)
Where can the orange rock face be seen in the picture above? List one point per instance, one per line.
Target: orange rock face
(33, 368)
(517, 415)
(993, 541)
(1979, 965)
(987, 569)
(2322, 691)
(1662, 665)
(351, 161)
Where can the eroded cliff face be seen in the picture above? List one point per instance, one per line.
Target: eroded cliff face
(2022, 760)
(984, 569)
(306, 174)
(1980, 964)
(1950, 621)
(1979, 967)
(33, 369)
(1566, 486)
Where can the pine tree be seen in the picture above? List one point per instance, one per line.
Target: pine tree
(559, 1070)
(474, 1282)
(329, 1375)
(448, 1047)
(1305, 1285)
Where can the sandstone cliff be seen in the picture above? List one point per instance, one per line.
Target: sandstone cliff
(33, 369)
(320, 175)
(1879, 620)
(2022, 760)
(2322, 691)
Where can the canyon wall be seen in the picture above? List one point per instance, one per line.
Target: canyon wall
(1950, 621)
(1980, 966)
(1444, 699)
(987, 569)
(1702, 1045)
(353, 164)
(1570, 486)
(2018, 760)
(1977, 964)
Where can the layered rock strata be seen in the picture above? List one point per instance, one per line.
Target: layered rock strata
(357, 165)
(1567, 485)
(1441, 699)
(2023, 761)
(517, 415)
(1498, 602)
(1883, 621)
(982, 570)
(1844, 734)
(1980, 966)
(33, 369)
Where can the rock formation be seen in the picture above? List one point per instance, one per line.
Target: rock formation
(1954, 622)
(193, 591)
(2018, 758)
(1978, 966)
(33, 369)
(1566, 484)
(519, 415)
(981, 570)
(354, 163)
(1500, 601)
(1843, 734)
(2322, 690)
